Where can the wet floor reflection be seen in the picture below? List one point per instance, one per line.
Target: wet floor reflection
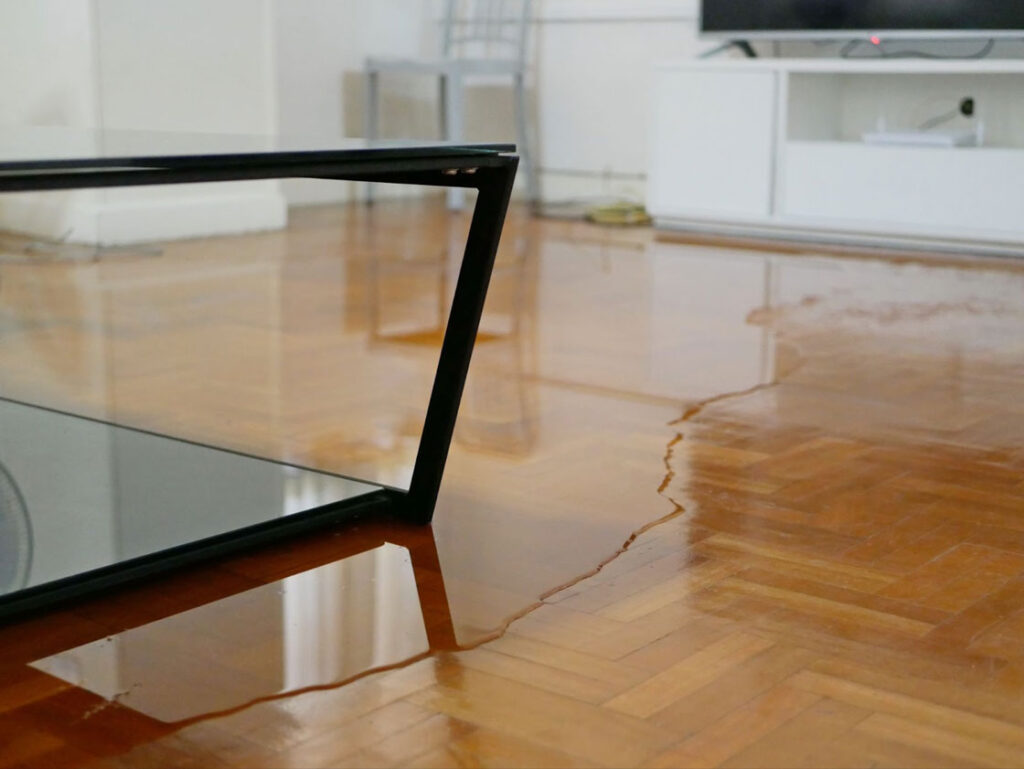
(569, 439)
(409, 301)
(319, 627)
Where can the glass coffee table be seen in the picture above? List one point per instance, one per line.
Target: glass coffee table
(170, 501)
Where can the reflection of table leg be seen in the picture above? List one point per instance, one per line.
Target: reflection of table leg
(437, 615)
(382, 528)
(375, 529)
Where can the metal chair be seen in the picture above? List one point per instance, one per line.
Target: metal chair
(480, 38)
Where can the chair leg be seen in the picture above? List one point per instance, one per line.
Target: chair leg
(452, 122)
(442, 107)
(371, 118)
(524, 144)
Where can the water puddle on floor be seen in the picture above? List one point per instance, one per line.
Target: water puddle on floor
(576, 436)
(323, 626)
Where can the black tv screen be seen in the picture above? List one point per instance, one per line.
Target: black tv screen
(833, 18)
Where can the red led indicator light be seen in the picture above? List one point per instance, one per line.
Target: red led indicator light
(876, 40)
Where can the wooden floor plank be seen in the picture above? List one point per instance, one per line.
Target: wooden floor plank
(951, 719)
(688, 675)
(740, 729)
(979, 752)
(587, 731)
(732, 691)
(703, 507)
(798, 739)
(621, 673)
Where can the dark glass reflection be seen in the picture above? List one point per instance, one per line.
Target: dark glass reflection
(78, 495)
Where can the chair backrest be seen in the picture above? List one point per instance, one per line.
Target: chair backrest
(486, 29)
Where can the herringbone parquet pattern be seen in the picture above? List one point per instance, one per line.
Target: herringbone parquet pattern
(838, 579)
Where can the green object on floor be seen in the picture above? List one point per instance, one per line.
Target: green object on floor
(619, 214)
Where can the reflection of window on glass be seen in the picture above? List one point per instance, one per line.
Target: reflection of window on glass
(15, 535)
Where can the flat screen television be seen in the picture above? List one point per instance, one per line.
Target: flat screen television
(781, 19)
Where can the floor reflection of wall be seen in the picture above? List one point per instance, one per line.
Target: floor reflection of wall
(42, 317)
(316, 628)
(409, 302)
(209, 659)
(351, 616)
(652, 320)
(702, 341)
(643, 320)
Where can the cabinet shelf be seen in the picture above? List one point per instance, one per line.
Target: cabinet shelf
(965, 191)
(777, 144)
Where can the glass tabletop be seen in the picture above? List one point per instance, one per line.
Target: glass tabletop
(33, 148)
(78, 495)
(85, 503)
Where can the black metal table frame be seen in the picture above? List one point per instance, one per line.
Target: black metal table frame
(491, 171)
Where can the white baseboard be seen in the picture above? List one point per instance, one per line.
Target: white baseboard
(50, 216)
(89, 218)
(559, 188)
(843, 238)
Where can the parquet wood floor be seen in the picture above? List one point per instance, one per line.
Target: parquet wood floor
(815, 464)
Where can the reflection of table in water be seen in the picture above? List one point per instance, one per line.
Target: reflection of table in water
(175, 491)
(409, 296)
(317, 628)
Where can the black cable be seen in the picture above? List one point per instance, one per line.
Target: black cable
(938, 120)
(846, 51)
(965, 108)
(746, 47)
(850, 47)
(980, 54)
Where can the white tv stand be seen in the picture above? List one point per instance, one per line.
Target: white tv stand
(775, 147)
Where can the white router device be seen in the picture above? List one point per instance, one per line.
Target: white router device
(923, 138)
(962, 138)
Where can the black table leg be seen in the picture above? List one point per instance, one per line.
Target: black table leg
(495, 187)
(492, 175)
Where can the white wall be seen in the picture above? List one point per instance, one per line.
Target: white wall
(296, 66)
(591, 105)
(321, 46)
(192, 65)
(47, 61)
(47, 68)
(593, 66)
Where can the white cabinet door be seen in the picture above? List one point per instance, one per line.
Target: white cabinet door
(711, 148)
